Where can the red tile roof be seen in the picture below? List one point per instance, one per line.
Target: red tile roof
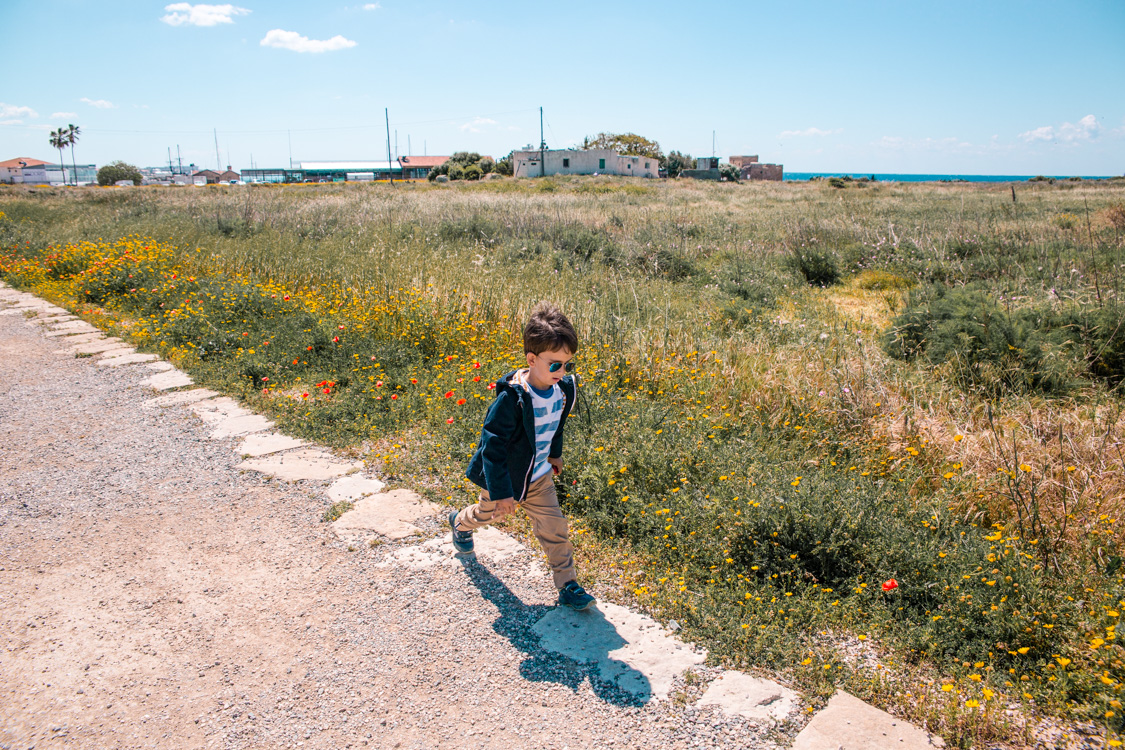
(27, 162)
(418, 162)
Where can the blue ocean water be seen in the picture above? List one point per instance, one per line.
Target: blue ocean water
(800, 176)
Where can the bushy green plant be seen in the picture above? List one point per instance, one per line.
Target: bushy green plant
(817, 265)
(982, 345)
(111, 173)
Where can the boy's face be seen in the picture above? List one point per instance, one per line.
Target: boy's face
(539, 367)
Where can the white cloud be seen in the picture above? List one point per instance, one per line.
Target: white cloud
(474, 125)
(291, 40)
(201, 15)
(809, 131)
(372, 6)
(16, 111)
(11, 122)
(99, 103)
(1087, 129)
(55, 115)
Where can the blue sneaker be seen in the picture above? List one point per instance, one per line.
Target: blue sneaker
(574, 596)
(462, 540)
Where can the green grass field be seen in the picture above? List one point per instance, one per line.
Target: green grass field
(791, 395)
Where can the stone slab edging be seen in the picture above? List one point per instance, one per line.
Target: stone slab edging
(630, 649)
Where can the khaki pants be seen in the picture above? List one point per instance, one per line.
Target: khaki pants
(548, 523)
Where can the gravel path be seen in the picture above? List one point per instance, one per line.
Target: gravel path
(153, 595)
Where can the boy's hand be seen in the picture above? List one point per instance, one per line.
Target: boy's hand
(556, 465)
(504, 507)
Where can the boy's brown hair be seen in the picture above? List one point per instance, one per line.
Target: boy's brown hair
(548, 329)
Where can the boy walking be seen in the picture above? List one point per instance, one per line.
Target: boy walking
(521, 449)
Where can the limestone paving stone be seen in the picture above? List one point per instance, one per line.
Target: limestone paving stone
(166, 381)
(388, 514)
(847, 723)
(179, 399)
(489, 543)
(73, 325)
(160, 366)
(740, 694)
(86, 328)
(132, 358)
(263, 444)
(301, 464)
(239, 425)
(352, 488)
(216, 410)
(90, 343)
(629, 649)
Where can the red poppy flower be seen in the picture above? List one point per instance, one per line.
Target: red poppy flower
(449, 394)
(295, 361)
(304, 395)
(491, 386)
(335, 339)
(449, 421)
(414, 380)
(460, 402)
(378, 383)
(890, 585)
(265, 379)
(341, 328)
(394, 396)
(286, 297)
(327, 390)
(476, 379)
(476, 365)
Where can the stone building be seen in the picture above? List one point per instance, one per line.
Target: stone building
(750, 169)
(530, 162)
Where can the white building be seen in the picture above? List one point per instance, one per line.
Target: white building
(54, 174)
(536, 163)
(11, 171)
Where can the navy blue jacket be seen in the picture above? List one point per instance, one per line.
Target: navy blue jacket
(503, 461)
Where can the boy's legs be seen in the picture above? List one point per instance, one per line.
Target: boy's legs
(550, 527)
(476, 515)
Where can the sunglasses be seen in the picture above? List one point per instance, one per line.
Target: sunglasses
(556, 366)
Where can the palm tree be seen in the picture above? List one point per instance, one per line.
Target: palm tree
(72, 133)
(60, 141)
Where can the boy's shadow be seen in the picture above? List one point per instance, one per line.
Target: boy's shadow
(595, 638)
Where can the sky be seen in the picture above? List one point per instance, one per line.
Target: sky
(1012, 87)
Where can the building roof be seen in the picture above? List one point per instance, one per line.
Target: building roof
(27, 162)
(418, 162)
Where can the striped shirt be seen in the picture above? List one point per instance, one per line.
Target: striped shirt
(548, 407)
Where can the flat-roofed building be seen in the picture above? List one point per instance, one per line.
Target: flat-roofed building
(55, 174)
(535, 163)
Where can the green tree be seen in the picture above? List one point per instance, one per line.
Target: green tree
(729, 172)
(504, 166)
(58, 139)
(118, 170)
(675, 162)
(72, 133)
(626, 144)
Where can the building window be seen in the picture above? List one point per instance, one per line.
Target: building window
(601, 163)
(646, 165)
(566, 162)
(629, 165)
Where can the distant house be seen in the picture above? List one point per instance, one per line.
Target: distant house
(419, 167)
(211, 177)
(11, 171)
(750, 169)
(530, 162)
(706, 168)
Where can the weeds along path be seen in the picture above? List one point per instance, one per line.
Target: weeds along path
(152, 595)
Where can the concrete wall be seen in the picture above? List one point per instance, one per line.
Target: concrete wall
(595, 161)
(763, 172)
(742, 161)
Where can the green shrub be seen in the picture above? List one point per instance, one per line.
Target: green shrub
(985, 346)
(817, 265)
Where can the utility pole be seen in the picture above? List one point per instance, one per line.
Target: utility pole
(179, 159)
(290, 134)
(387, 115)
(170, 160)
(408, 151)
(396, 143)
(542, 147)
(218, 159)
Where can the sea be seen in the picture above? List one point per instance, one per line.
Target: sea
(804, 176)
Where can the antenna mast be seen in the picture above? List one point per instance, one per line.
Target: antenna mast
(387, 115)
(542, 147)
(218, 159)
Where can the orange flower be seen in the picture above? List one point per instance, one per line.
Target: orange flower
(460, 402)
